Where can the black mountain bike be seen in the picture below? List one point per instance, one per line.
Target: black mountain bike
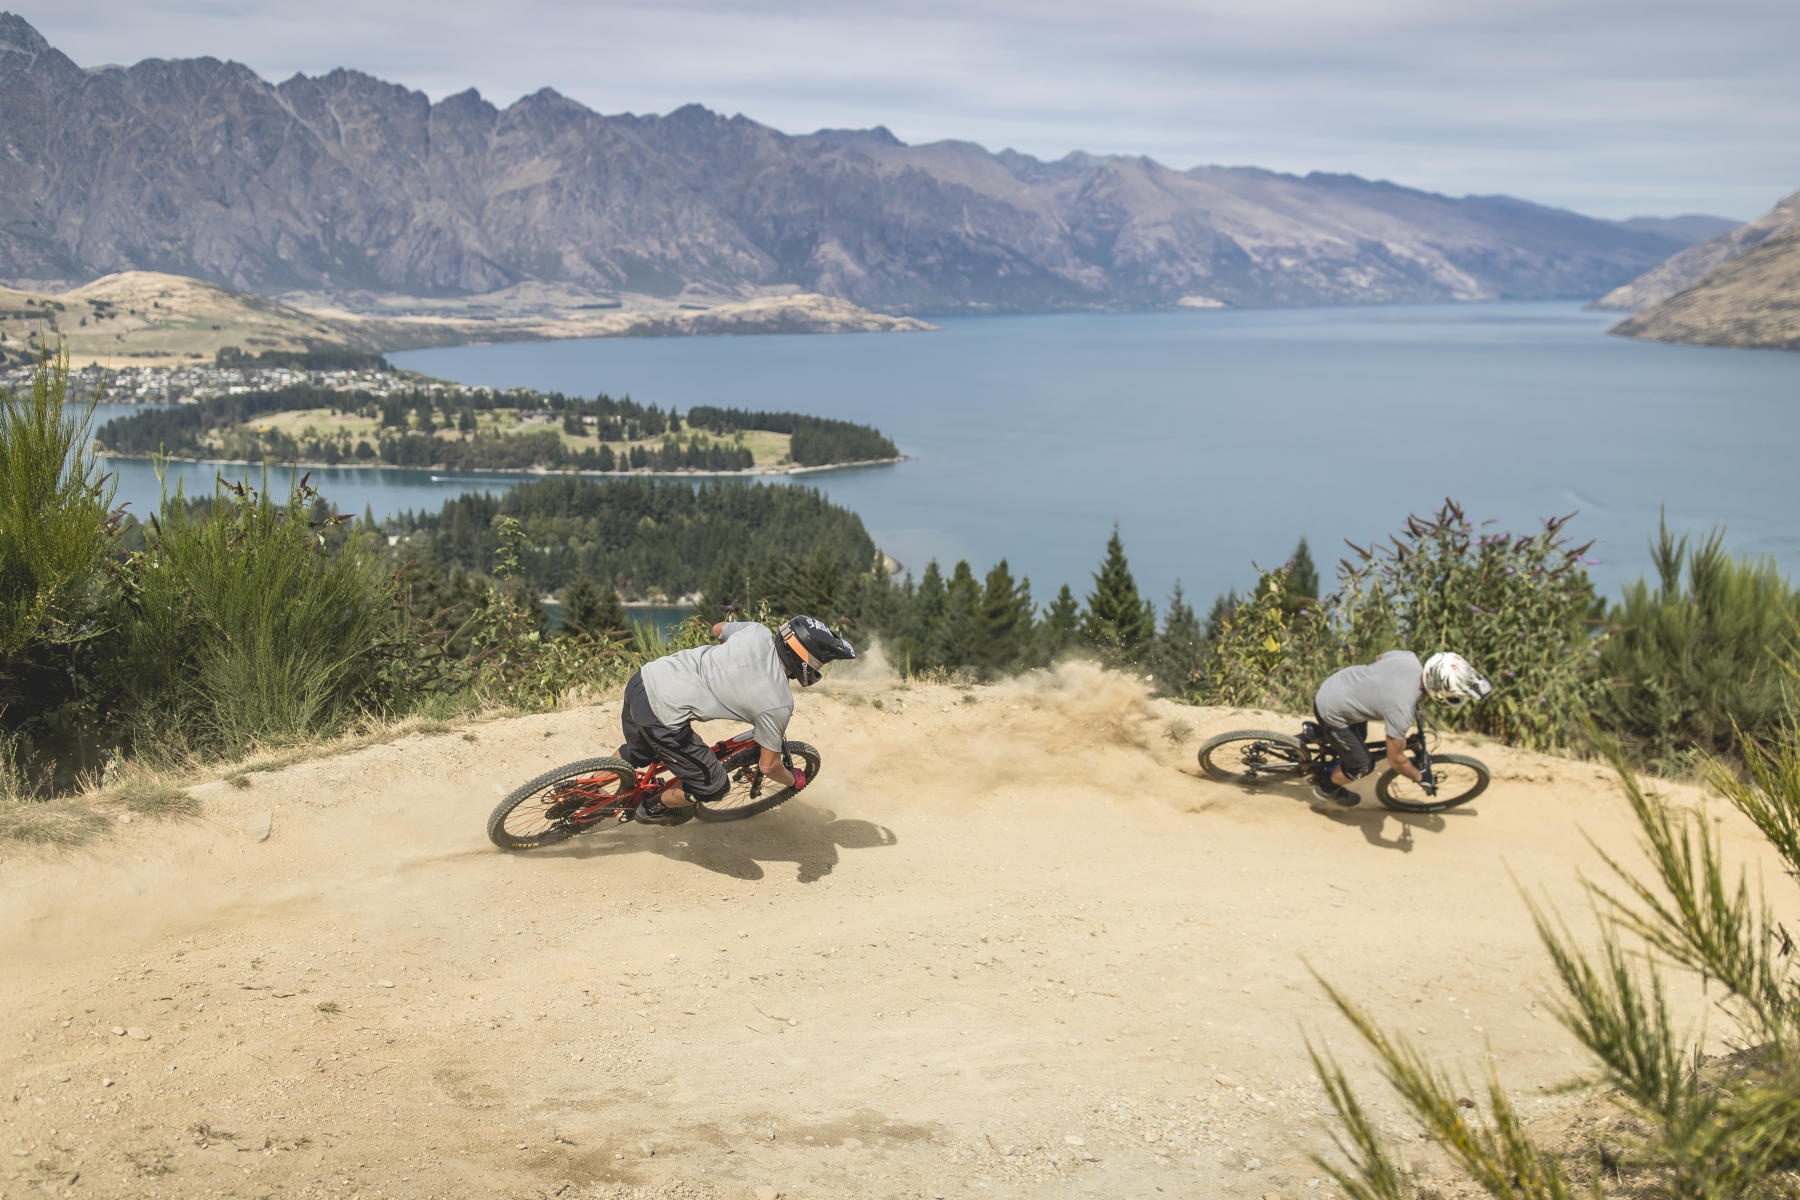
(1258, 756)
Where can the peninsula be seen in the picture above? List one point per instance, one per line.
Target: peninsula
(425, 424)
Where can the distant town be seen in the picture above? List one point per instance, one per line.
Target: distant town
(190, 385)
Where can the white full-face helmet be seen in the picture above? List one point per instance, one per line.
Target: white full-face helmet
(1449, 679)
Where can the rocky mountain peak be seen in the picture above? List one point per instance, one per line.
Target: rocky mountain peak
(17, 35)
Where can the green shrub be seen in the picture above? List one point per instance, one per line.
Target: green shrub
(1265, 652)
(1694, 662)
(243, 629)
(55, 534)
(1516, 606)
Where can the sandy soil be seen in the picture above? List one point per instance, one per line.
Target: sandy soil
(1010, 944)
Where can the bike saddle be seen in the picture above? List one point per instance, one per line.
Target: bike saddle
(1310, 732)
(635, 758)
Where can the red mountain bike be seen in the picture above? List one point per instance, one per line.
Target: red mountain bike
(1258, 756)
(605, 792)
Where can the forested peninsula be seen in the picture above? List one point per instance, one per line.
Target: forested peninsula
(482, 430)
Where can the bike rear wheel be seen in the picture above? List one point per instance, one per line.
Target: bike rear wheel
(1253, 756)
(751, 791)
(1459, 780)
(537, 814)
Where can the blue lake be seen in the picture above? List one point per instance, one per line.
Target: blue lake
(1216, 439)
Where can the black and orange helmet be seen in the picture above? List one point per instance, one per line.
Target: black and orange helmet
(807, 644)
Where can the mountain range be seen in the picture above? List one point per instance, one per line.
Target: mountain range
(346, 187)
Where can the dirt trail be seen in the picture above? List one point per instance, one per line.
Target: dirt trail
(1010, 944)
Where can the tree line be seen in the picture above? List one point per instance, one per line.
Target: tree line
(409, 423)
(643, 537)
(816, 441)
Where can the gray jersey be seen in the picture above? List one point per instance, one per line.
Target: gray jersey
(1386, 690)
(740, 679)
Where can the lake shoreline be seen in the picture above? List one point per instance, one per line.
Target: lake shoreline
(546, 472)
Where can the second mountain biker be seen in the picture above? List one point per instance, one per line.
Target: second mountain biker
(1387, 690)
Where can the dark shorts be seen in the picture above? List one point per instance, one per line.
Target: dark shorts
(1351, 744)
(681, 750)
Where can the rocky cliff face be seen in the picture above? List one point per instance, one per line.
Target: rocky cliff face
(1752, 300)
(1689, 267)
(343, 184)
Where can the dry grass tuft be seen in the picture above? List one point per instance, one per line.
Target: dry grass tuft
(147, 794)
(61, 824)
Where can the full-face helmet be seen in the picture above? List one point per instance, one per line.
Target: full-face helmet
(1449, 679)
(806, 644)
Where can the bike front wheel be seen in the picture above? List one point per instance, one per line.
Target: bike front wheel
(1253, 756)
(751, 791)
(539, 813)
(1459, 780)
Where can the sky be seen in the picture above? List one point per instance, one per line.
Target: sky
(1611, 108)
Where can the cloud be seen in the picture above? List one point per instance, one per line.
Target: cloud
(1612, 107)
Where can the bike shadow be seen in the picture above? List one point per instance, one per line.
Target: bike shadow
(1370, 817)
(1372, 820)
(797, 832)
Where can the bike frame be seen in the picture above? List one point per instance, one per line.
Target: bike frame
(1321, 752)
(649, 781)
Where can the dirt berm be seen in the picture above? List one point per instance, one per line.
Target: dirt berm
(1009, 944)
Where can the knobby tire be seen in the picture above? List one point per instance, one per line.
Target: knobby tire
(1224, 757)
(1465, 779)
(529, 817)
(752, 792)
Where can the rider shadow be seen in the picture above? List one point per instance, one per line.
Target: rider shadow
(797, 832)
(1370, 818)
(1372, 823)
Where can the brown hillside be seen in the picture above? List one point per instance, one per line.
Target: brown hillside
(1752, 301)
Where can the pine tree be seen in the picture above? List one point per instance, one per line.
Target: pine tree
(611, 619)
(1302, 580)
(1177, 650)
(1005, 625)
(1062, 625)
(931, 598)
(817, 586)
(722, 598)
(1116, 618)
(581, 603)
(956, 641)
(928, 614)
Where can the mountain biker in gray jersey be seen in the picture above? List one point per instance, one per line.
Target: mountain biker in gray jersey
(744, 678)
(1387, 690)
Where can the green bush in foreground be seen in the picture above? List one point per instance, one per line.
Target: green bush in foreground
(1694, 661)
(55, 535)
(1712, 1128)
(244, 629)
